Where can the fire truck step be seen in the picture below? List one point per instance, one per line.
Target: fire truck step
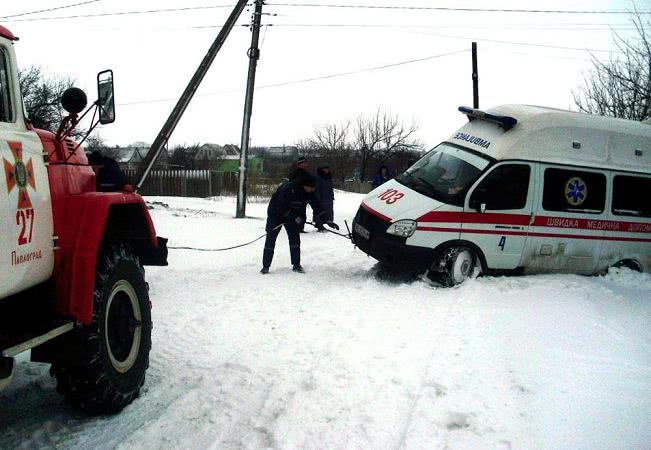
(29, 342)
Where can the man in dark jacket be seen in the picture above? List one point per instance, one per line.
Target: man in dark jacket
(381, 177)
(299, 168)
(285, 209)
(108, 175)
(325, 194)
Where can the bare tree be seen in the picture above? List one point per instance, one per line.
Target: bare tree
(380, 136)
(183, 156)
(331, 145)
(42, 96)
(621, 86)
(95, 142)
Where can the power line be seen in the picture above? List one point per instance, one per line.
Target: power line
(497, 41)
(527, 44)
(126, 13)
(49, 9)
(541, 27)
(354, 72)
(310, 5)
(538, 27)
(308, 80)
(442, 8)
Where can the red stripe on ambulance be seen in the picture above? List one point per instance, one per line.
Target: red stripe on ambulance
(377, 214)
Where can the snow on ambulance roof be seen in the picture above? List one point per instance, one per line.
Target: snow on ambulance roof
(557, 136)
(5, 33)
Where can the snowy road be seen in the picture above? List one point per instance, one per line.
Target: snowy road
(338, 359)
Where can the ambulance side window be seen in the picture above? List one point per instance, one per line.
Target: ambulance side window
(5, 96)
(506, 187)
(632, 196)
(574, 191)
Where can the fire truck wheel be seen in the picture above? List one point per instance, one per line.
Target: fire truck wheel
(115, 347)
(455, 266)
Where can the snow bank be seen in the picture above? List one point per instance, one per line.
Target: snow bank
(338, 359)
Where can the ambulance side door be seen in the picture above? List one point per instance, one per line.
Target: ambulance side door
(498, 211)
(571, 213)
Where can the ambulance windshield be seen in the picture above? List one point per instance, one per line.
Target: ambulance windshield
(444, 174)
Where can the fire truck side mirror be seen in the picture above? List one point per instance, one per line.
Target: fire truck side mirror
(105, 97)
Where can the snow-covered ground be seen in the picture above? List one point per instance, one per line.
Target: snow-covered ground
(336, 358)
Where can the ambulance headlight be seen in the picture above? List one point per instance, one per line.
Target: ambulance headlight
(403, 228)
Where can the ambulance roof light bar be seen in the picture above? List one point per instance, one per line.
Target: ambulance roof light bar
(505, 122)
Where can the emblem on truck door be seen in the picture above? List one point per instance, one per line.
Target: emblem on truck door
(20, 174)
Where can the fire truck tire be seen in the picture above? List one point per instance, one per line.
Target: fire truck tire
(115, 347)
(456, 265)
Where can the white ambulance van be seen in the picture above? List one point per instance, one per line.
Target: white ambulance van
(518, 189)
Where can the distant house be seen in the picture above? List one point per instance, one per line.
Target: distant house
(283, 151)
(224, 158)
(210, 156)
(131, 158)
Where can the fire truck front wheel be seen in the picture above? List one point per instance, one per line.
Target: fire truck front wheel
(114, 353)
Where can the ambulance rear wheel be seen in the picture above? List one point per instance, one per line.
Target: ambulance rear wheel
(455, 266)
(113, 354)
(629, 264)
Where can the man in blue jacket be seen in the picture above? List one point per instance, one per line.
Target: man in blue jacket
(285, 209)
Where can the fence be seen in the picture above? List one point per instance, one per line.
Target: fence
(202, 183)
(185, 183)
(210, 183)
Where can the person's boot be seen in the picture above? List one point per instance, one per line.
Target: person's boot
(298, 268)
(265, 270)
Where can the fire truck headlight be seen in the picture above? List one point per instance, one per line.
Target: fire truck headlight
(403, 228)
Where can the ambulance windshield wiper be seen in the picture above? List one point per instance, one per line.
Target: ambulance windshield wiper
(426, 183)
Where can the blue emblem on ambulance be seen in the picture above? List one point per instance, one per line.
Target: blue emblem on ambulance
(576, 191)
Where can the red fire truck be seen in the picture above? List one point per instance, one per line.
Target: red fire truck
(72, 283)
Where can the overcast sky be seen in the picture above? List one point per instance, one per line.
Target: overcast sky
(153, 55)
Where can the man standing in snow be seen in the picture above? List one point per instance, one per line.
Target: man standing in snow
(300, 168)
(325, 194)
(381, 177)
(285, 209)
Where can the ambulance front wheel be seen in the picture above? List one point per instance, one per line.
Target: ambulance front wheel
(456, 265)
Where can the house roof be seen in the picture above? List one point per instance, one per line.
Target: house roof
(215, 151)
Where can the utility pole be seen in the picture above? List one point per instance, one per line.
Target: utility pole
(254, 55)
(183, 102)
(475, 78)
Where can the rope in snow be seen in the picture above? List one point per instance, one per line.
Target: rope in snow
(347, 236)
(225, 248)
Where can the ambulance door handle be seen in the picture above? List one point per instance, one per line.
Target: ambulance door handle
(532, 218)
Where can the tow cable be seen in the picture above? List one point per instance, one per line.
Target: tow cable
(347, 236)
(225, 248)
